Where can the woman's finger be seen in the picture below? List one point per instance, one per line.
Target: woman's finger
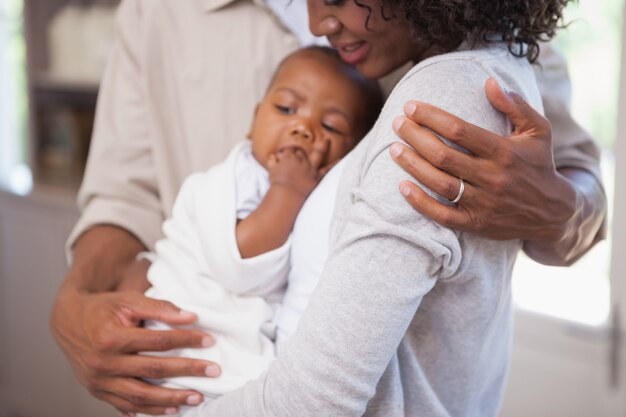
(475, 139)
(444, 184)
(151, 367)
(454, 217)
(430, 147)
(522, 115)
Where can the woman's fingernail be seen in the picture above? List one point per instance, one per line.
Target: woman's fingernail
(207, 341)
(171, 411)
(397, 123)
(194, 399)
(511, 95)
(517, 99)
(409, 107)
(212, 370)
(396, 150)
(405, 190)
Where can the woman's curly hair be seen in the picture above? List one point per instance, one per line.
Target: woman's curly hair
(521, 24)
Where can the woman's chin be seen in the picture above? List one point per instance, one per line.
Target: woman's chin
(376, 70)
(372, 71)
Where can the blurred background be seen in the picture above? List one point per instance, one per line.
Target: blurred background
(568, 356)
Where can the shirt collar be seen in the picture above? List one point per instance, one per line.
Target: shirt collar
(292, 15)
(213, 5)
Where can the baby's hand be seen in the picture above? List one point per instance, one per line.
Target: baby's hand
(294, 169)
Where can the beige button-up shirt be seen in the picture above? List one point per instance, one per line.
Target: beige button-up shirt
(179, 91)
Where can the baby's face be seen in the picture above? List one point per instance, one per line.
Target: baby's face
(311, 101)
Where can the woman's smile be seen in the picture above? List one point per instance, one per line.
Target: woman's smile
(374, 41)
(353, 53)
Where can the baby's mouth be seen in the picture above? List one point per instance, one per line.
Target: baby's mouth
(291, 146)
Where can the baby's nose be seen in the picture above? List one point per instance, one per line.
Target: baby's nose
(302, 132)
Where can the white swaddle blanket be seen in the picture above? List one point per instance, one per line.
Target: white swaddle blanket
(198, 267)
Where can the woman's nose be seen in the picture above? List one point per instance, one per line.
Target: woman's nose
(322, 23)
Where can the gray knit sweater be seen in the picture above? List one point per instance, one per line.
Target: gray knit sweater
(409, 318)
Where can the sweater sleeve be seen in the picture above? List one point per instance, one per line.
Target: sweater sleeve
(384, 259)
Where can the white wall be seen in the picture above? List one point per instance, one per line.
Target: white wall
(35, 378)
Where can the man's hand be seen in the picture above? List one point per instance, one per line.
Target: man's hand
(100, 331)
(101, 336)
(512, 188)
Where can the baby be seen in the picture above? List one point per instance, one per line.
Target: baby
(226, 251)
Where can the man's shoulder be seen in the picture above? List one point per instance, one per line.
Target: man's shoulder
(149, 5)
(160, 11)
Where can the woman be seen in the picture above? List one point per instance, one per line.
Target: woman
(95, 318)
(409, 318)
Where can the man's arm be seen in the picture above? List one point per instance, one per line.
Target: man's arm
(94, 320)
(582, 231)
(513, 189)
(100, 330)
(576, 157)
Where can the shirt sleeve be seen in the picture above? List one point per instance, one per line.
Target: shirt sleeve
(384, 260)
(572, 145)
(119, 186)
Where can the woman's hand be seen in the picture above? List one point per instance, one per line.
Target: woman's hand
(512, 188)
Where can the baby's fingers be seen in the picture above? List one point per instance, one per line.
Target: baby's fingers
(319, 155)
(272, 161)
(301, 155)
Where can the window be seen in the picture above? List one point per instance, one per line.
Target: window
(13, 99)
(592, 45)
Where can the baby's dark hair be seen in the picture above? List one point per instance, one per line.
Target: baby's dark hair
(372, 98)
